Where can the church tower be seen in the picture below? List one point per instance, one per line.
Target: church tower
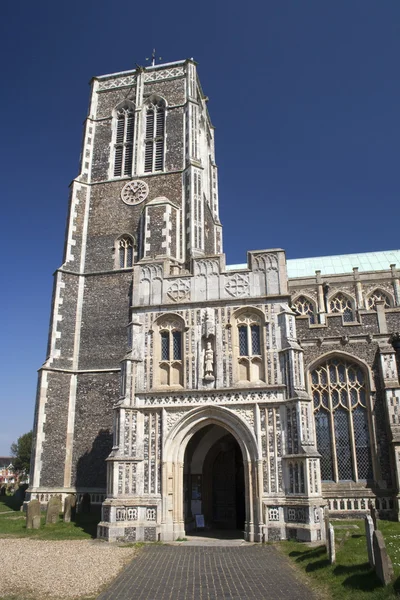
(174, 385)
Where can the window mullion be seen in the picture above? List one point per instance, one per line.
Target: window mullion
(332, 427)
(352, 439)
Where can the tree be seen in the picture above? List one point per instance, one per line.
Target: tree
(21, 451)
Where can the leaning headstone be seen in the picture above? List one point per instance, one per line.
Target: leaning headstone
(326, 523)
(33, 514)
(85, 503)
(53, 510)
(331, 545)
(383, 564)
(374, 514)
(69, 508)
(369, 530)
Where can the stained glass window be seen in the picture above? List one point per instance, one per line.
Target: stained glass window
(341, 421)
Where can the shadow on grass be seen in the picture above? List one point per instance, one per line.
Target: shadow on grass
(300, 556)
(10, 502)
(360, 577)
(88, 522)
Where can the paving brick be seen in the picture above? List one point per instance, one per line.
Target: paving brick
(208, 573)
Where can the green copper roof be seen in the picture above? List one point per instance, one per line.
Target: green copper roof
(342, 263)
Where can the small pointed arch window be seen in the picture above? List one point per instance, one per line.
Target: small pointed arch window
(125, 248)
(249, 343)
(340, 397)
(169, 352)
(305, 308)
(378, 296)
(342, 304)
(124, 134)
(154, 136)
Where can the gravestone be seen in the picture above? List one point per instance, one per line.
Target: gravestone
(69, 508)
(369, 531)
(331, 545)
(326, 523)
(33, 515)
(374, 514)
(383, 564)
(53, 510)
(85, 503)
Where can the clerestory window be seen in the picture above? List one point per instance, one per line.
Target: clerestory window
(154, 137)
(123, 147)
(341, 421)
(378, 296)
(342, 304)
(305, 308)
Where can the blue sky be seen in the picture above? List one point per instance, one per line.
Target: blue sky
(304, 95)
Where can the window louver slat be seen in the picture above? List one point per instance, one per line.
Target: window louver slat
(160, 123)
(150, 124)
(118, 162)
(130, 125)
(159, 162)
(148, 157)
(120, 130)
(128, 160)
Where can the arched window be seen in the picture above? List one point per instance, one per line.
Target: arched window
(341, 421)
(169, 352)
(378, 296)
(154, 137)
(305, 308)
(123, 147)
(250, 359)
(342, 304)
(125, 252)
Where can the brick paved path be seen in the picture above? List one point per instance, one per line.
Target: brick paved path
(208, 573)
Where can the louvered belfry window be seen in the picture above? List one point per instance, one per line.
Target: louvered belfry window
(154, 140)
(123, 155)
(341, 421)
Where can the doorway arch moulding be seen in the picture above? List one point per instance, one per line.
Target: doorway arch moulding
(175, 444)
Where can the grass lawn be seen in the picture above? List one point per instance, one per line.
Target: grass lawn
(12, 523)
(350, 577)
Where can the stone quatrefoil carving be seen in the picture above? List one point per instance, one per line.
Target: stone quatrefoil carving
(179, 290)
(237, 285)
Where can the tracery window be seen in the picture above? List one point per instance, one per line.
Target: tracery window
(125, 252)
(250, 347)
(306, 308)
(154, 137)
(170, 352)
(123, 148)
(342, 304)
(341, 421)
(378, 296)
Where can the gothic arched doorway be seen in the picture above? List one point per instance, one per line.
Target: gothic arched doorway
(214, 483)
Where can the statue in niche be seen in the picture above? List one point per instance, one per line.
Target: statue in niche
(209, 363)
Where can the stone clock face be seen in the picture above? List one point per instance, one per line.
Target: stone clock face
(134, 192)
